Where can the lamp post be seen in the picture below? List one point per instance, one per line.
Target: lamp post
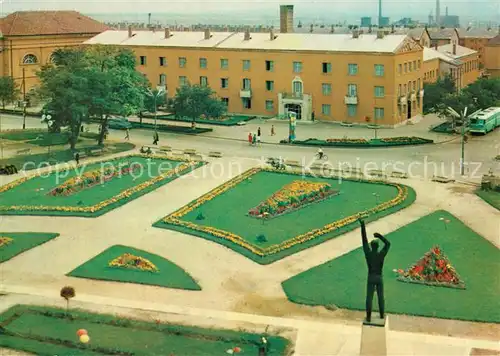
(48, 119)
(155, 97)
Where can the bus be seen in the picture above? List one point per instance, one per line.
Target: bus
(485, 121)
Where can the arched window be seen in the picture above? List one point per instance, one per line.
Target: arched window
(52, 58)
(30, 59)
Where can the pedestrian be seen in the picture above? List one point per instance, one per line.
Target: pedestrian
(258, 132)
(127, 135)
(254, 139)
(272, 130)
(250, 138)
(258, 139)
(77, 158)
(156, 138)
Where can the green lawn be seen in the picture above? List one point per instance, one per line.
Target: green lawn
(228, 212)
(342, 281)
(37, 137)
(22, 241)
(169, 274)
(31, 197)
(47, 331)
(490, 196)
(38, 160)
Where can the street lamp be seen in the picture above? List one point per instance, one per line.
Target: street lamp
(48, 119)
(150, 93)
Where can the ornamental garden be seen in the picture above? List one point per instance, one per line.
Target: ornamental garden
(90, 190)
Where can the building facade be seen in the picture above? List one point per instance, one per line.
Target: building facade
(28, 39)
(333, 77)
(492, 57)
(476, 39)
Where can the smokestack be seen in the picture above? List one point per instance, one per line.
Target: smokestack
(271, 34)
(286, 18)
(311, 29)
(380, 13)
(438, 13)
(247, 35)
(436, 46)
(207, 34)
(446, 11)
(130, 31)
(167, 32)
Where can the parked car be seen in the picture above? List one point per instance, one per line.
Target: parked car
(119, 123)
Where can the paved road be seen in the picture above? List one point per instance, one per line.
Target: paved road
(419, 161)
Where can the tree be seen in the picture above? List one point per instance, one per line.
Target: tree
(9, 90)
(194, 101)
(67, 293)
(436, 92)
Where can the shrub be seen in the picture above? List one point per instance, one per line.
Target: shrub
(261, 238)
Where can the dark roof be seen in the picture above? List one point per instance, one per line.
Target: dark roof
(441, 34)
(32, 23)
(495, 41)
(476, 33)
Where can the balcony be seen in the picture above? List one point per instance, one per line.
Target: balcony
(403, 99)
(351, 100)
(421, 93)
(294, 95)
(246, 93)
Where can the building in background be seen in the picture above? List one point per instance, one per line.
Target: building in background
(366, 21)
(476, 39)
(286, 18)
(492, 57)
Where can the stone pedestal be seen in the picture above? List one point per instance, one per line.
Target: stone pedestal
(373, 339)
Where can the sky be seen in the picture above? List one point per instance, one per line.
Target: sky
(480, 9)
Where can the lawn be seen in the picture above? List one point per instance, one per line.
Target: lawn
(222, 214)
(37, 137)
(48, 331)
(30, 195)
(490, 196)
(341, 282)
(167, 274)
(18, 242)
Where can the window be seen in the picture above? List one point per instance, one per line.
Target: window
(297, 67)
(418, 84)
(414, 65)
(406, 67)
(352, 69)
(246, 64)
(182, 80)
(404, 90)
(247, 103)
(352, 90)
(419, 64)
(203, 63)
(224, 83)
(326, 88)
(379, 70)
(269, 85)
(163, 79)
(399, 90)
(203, 81)
(297, 87)
(269, 105)
(269, 66)
(326, 109)
(247, 84)
(225, 101)
(142, 60)
(326, 67)
(400, 68)
(379, 92)
(410, 67)
(414, 85)
(182, 62)
(224, 63)
(379, 113)
(352, 110)
(163, 61)
(30, 59)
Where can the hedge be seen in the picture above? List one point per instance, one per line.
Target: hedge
(362, 143)
(171, 128)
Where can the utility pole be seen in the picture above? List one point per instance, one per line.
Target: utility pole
(24, 98)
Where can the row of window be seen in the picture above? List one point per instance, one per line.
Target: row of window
(409, 67)
(471, 65)
(431, 74)
(297, 67)
(352, 111)
(410, 87)
(33, 59)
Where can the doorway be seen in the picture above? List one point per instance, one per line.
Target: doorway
(409, 109)
(297, 108)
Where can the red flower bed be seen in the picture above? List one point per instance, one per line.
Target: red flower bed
(348, 140)
(432, 269)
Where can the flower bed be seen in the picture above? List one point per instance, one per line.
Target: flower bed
(93, 178)
(130, 261)
(433, 269)
(361, 142)
(265, 254)
(227, 120)
(291, 197)
(4, 241)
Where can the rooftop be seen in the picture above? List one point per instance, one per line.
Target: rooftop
(441, 34)
(33, 23)
(476, 33)
(461, 51)
(258, 41)
(431, 53)
(495, 41)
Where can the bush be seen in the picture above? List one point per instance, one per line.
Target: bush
(261, 238)
(200, 216)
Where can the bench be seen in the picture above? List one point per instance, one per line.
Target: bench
(190, 151)
(293, 163)
(24, 151)
(165, 149)
(90, 152)
(215, 154)
(377, 173)
(178, 156)
(441, 179)
(195, 157)
(401, 175)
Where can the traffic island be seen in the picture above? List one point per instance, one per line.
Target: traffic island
(15, 243)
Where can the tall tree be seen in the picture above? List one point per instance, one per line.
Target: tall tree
(9, 90)
(436, 92)
(193, 101)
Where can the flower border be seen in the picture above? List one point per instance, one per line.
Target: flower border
(151, 267)
(175, 217)
(180, 169)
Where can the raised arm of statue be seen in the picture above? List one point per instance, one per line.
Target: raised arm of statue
(386, 242)
(366, 248)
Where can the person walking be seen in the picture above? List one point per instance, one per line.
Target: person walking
(250, 138)
(258, 138)
(254, 139)
(272, 130)
(127, 135)
(156, 138)
(258, 132)
(77, 158)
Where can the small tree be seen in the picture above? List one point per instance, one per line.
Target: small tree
(67, 293)
(9, 90)
(194, 100)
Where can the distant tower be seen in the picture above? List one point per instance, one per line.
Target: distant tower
(286, 18)
(380, 12)
(438, 13)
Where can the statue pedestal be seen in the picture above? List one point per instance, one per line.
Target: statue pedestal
(373, 340)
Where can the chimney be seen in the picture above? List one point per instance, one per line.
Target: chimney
(247, 35)
(380, 34)
(355, 33)
(454, 48)
(332, 29)
(271, 34)
(311, 29)
(129, 31)
(207, 34)
(167, 32)
(436, 46)
(286, 18)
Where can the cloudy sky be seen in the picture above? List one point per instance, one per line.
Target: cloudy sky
(487, 9)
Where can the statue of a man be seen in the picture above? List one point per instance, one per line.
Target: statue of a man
(375, 261)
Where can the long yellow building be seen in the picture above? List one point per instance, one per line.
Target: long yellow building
(333, 77)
